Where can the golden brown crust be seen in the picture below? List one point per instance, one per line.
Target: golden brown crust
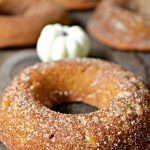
(116, 26)
(78, 4)
(122, 121)
(24, 20)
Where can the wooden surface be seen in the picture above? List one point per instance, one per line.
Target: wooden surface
(13, 61)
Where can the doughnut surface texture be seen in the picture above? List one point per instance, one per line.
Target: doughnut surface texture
(21, 21)
(122, 24)
(78, 4)
(122, 121)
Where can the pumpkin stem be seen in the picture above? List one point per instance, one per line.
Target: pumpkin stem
(63, 33)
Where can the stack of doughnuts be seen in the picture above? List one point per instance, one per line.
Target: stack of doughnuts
(22, 21)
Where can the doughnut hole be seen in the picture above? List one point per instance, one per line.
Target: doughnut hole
(82, 85)
(74, 108)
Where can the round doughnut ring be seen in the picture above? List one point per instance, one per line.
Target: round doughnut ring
(122, 121)
(21, 21)
(122, 24)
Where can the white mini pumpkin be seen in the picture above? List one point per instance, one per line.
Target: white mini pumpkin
(58, 42)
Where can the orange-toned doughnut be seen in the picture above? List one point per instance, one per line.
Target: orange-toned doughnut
(78, 4)
(122, 121)
(122, 24)
(21, 21)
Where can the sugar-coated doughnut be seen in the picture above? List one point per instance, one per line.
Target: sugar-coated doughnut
(21, 21)
(122, 24)
(122, 121)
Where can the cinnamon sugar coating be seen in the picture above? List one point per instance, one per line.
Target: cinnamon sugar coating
(122, 121)
(21, 21)
(122, 24)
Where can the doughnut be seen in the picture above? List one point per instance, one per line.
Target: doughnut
(122, 120)
(78, 4)
(22, 21)
(122, 24)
